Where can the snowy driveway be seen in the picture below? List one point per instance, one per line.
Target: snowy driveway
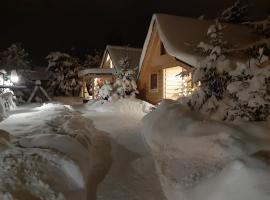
(60, 152)
(132, 175)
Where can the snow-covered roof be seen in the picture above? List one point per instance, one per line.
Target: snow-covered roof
(180, 36)
(119, 52)
(97, 71)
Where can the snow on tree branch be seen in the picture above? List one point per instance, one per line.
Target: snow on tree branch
(15, 57)
(124, 85)
(236, 13)
(239, 92)
(93, 60)
(63, 74)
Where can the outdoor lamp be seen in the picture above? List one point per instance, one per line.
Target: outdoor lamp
(14, 76)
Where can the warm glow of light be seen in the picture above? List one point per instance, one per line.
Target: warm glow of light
(111, 65)
(14, 76)
(109, 60)
(176, 86)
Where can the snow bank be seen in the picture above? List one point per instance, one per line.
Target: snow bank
(4, 140)
(33, 119)
(6, 104)
(242, 179)
(192, 151)
(67, 147)
(129, 106)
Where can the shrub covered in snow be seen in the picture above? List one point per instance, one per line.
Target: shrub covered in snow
(63, 74)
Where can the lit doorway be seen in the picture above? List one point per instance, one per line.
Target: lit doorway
(175, 85)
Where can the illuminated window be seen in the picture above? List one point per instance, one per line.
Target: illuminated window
(153, 82)
(108, 63)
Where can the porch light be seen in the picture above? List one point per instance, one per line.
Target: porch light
(14, 76)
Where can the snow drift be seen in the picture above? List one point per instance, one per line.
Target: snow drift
(196, 158)
(6, 104)
(129, 106)
(67, 147)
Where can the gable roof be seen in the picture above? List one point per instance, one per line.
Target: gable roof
(180, 36)
(118, 52)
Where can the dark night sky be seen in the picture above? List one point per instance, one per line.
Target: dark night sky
(49, 25)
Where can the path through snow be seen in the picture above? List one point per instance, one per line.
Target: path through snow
(132, 175)
(116, 151)
(56, 140)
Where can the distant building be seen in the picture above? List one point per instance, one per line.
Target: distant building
(94, 78)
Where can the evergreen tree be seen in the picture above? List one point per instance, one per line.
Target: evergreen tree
(93, 60)
(211, 79)
(249, 90)
(63, 74)
(236, 13)
(241, 92)
(14, 58)
(124, 85)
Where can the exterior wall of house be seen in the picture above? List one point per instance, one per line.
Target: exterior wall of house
(154, 62)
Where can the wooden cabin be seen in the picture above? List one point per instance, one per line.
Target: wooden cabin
(94, 78)
(170, 49)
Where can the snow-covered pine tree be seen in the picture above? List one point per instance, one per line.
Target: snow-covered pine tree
(125, 82)
(236, 13)
(262, 28)
(249, 87)
(93, 60)
(63, 74)
(211, 78)
(236, 93)
(105, 92)
(249, 90)
(16, 58)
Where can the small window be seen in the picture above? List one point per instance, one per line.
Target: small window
(162, 49)
(153, 81)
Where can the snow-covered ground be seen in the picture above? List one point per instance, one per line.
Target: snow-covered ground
(126, 151)
(132, 175)
(202, 159)
(55, 151)
(51, 153)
